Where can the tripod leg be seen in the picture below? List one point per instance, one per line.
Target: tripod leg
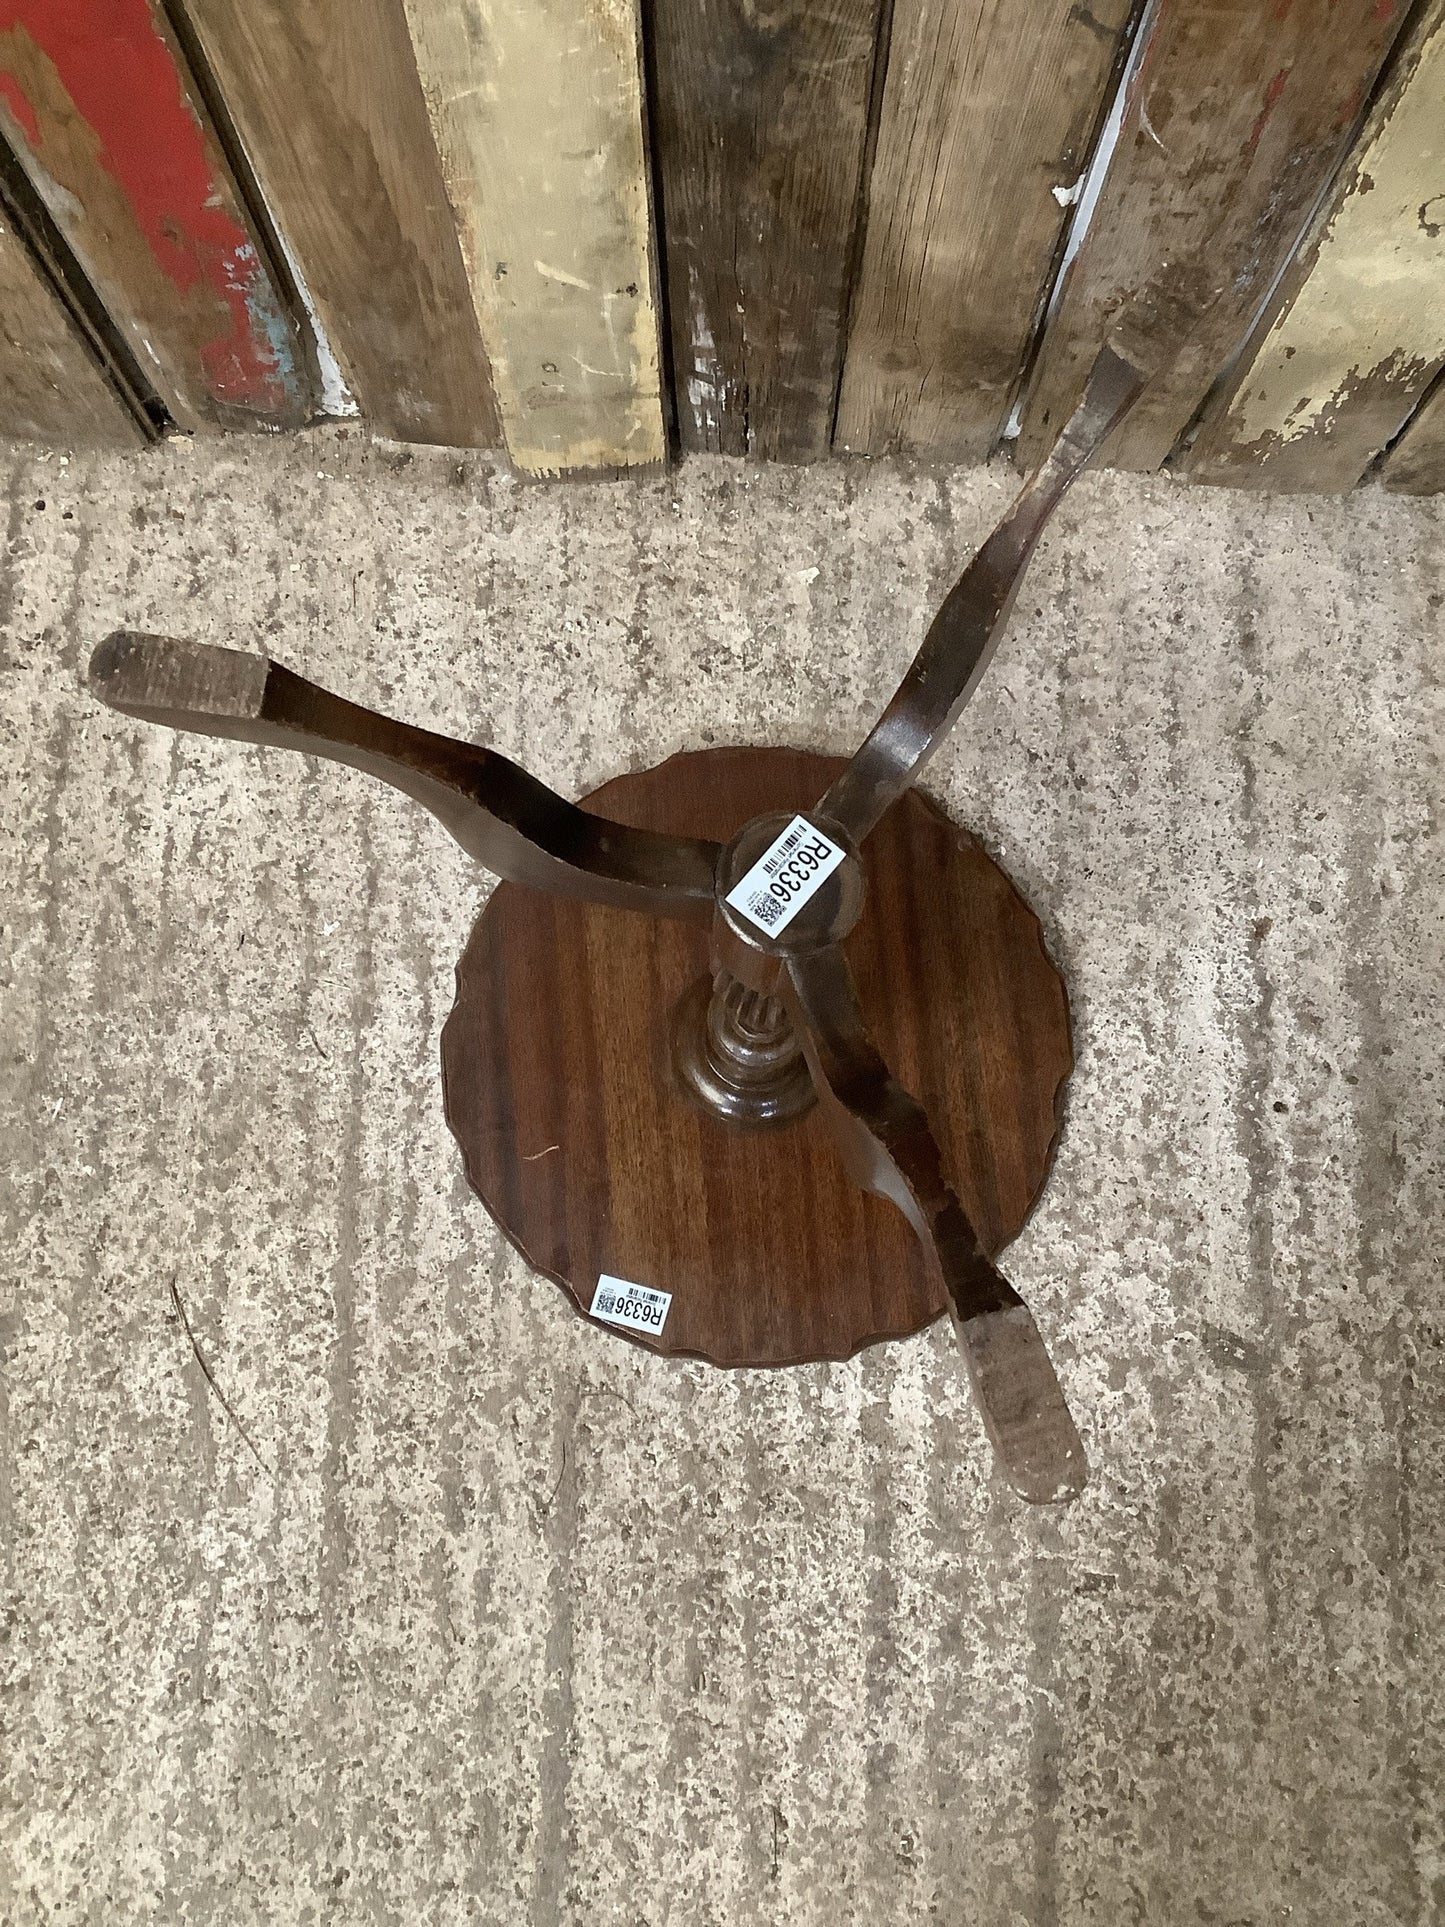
(499, 814)
(889, 1149)
(964, 634)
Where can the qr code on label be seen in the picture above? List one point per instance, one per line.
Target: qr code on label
(636, 1307)
(786, 876)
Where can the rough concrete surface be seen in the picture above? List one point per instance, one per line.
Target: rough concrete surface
(506, 1621)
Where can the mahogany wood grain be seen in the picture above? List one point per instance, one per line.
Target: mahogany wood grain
(560, 1091)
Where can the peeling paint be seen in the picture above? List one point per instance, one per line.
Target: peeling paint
(337, 400)
(707, 384)
(14, 96)
(1373, 306)
(561, 275)
(1271, 100)
(102, 122)
(1087, 191)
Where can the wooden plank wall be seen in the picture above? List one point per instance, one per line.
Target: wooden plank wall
(538, 117)
(988, 118)
(1416, 465)
(325, 98)
(100, 108)
(1356, 332)
(800, 227)
(51, 387)
(760, 128)
(1236, 117)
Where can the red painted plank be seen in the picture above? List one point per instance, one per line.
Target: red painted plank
(107, 122)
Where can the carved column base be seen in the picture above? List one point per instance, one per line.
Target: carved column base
(734, 1050)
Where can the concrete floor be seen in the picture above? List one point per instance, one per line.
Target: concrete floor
(505, 1621)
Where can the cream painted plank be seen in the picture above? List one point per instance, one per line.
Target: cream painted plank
(536, 106)
(1416, 465)
(1361, 331)
(988, 112)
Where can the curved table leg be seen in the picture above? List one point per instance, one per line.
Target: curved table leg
(963, 635)
(499, 814)
(885, 1139)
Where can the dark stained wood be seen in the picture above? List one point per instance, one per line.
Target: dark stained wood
(1355, 333)
(1237, 117)
(1416, 464)
(889, 1148)
(52, 389)
(560, 1090)
(961, 639)
(326, 99)
(105, 117)
(760, 126)
(500, 815)
(989, 107)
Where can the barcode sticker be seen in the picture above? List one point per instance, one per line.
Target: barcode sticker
(790, 871)
(636, 1307)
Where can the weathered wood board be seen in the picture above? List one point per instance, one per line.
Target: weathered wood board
(988, 116)
(325, 97)
(538, 117)
(1416, 464)
(760, 122)
(1359, 322)
(1236, 117)
(51, 387)
(106, 121)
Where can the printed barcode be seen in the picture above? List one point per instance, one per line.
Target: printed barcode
(786, 876)
(780, 852)
(637, 1307)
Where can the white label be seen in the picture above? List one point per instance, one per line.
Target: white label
(790, 871)
(633, 1306)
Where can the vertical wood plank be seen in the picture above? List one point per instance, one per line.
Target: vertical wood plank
(325, 97)
(538, 117)
(760, 117)
(1416, 464)
(51, 387)
(1359, 322)
(988, 114)
(1236, 117)
(105, 119)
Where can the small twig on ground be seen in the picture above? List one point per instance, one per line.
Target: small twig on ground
(558, 1486)
(608, 1391)
(210, 1379)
